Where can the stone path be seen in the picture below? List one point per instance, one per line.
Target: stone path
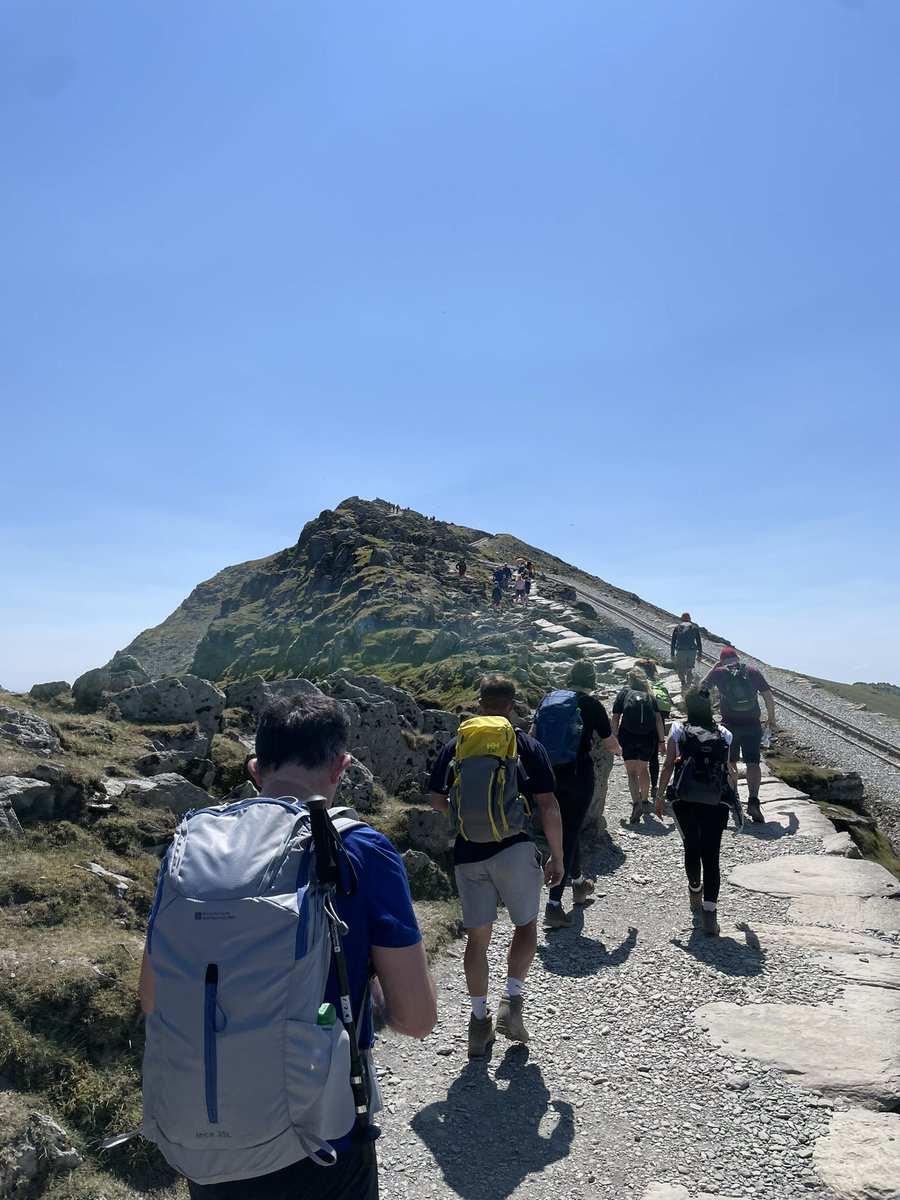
(664, 1064)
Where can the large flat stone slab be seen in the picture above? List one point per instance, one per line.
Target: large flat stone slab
(796, 816)
(849, 1049)
(815, 875)
(818, 940)
(847, 912)
(772, 788)
(873, 969)
(859, 1157)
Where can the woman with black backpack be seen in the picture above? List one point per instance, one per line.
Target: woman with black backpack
(705, 782)
(638, 726)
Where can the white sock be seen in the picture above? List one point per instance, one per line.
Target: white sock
(695, 889)
(479, 1007)
(553, 903)
(580, 879)
(709, 905)
(514, 987)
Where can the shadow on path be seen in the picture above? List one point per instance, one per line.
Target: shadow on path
(485, 1138)
(568, 953)
(725, 954)
(647, 827)
(771, 831)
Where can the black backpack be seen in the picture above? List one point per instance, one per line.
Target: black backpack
(739, 689)
(685, 638)
(638, 713)
(701, 774)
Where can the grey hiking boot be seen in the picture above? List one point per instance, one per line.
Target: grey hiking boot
(582, 892)
(710, 924)
(695, 899)
(556, 917)
(509, 1018)
(481, 1034)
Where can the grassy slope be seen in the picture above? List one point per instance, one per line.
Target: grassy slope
(873, 697)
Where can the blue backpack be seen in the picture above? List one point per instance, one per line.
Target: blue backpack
(558, 726)
(246, 1069)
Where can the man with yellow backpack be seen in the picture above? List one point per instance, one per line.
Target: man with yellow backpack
(485, 779)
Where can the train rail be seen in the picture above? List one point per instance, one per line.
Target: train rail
(880, 748)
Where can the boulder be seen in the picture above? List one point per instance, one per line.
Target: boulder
(9, 821)
(49, 691)
(429, 831)
(27, 730)
(27, 797)
(848, 1050)
(32, 1146)
(170, 701)
(255, 694)
(859, 1157)
(358, 788)
(123, 671)
(162, 791)
(815, 875)
(389, 736)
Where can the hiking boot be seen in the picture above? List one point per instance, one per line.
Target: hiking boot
(754, 811)
(481, 1034)
(582, 892)
(710, 924)
(648, 807)
(636, 813)
(695, 899)
(509, 1018)
(555, 917)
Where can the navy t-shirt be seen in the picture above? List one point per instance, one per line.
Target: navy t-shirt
(540, 778)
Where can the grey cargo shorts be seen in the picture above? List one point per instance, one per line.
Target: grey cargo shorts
(512, 876)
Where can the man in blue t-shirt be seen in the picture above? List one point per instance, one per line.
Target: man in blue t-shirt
(508, 871)
(301, 752)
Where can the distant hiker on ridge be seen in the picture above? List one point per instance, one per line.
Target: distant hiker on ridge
(738, 686)
(687, 649)
(565, 725)
(477, 780)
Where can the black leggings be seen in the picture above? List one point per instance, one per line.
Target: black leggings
(701, 827)
(574, 791)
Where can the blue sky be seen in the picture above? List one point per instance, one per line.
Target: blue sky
(620, 278)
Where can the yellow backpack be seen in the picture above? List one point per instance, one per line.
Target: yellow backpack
(485, 804)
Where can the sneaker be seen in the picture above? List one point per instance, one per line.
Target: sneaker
(695, 899)
(636, 813)
(582, 892)
(481, 1034)
(509, 1018)
(710, 924)
(754, 811)
(555, 917)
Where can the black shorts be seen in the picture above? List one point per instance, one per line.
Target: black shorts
(638, 746)
(746, 744)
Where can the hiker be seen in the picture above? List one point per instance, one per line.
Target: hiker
(738, 686)
(250, 968)
(497, 595)
(704, 789)
(461, 568)
(687, 649)
(505, 575)
(529, 567)
(565, 724)
(664, 704)
(477, 780)
(521, 589)
(638, 726)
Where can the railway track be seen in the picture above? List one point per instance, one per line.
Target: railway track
(882, 749)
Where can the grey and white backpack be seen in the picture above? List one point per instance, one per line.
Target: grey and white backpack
(246, 1070)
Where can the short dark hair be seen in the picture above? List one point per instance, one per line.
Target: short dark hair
(698, 707)
(497, 691)
(310, 730)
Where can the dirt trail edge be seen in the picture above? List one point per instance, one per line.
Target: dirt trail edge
(665, 1064)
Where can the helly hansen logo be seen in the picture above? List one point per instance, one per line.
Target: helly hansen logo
(213, 916)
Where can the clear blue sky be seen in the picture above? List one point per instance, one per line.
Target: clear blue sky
(620, 278)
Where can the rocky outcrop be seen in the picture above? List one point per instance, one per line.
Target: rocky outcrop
(9, 820)
(163, 791)
(27, 730)
(31, 798)
(121, 672)
(49, 691)
(255, 693)
(168, 701)
(32, 1146)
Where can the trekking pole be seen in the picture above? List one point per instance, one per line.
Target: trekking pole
(326, 841)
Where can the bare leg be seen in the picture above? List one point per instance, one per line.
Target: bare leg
(633, 770)
(754, 776)
(475, 963)
(521, 952)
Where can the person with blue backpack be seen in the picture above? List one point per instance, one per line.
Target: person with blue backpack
(274, 928)
(565, 724)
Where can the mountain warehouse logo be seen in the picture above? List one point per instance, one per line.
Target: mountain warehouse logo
(213, 916)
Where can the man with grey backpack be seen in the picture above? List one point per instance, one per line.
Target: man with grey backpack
(275, 926)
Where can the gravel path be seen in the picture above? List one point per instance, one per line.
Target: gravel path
(618, 1086)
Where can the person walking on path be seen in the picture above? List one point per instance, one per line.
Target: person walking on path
(521, 588)
(687, 649)
(492, 863)
(300, 755)
(565, 724)
(461, 568)
(697, 751)
(738, 686)
(664, 704)
(638, 725)
(497, 595)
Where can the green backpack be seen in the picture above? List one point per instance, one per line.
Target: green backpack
(663, 699)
